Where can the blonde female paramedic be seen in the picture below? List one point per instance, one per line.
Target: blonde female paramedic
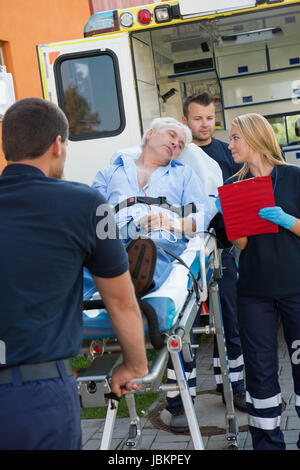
(269, 279)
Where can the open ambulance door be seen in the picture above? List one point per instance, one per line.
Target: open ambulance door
(93, 81)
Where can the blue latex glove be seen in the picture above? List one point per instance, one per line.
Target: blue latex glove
(218, 205)
(278, 216)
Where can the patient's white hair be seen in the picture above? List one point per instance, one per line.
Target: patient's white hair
(167, 121)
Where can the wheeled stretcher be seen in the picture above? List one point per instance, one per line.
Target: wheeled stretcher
(168, 315)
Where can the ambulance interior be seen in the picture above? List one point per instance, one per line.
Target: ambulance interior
(249, 62)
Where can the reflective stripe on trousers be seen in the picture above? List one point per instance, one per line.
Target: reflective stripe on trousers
(175, 405)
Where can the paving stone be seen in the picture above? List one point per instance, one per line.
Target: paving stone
(89, 428)
(242, 439)
(147, 441)
(291, 437)
(292, 447)
(92, 444)
(204, 440)
(293, 422)
(117, 444)
(149, 432)
(283, 421)
(248, 442)
(92, 424)
(164, 436)
(169, 445)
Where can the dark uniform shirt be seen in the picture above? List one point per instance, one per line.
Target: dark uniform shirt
(220, 152)
(48, 233)
(269, 266)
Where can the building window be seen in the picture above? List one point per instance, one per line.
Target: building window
(89, 92)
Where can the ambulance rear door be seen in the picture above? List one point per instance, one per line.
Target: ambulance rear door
(92, 80)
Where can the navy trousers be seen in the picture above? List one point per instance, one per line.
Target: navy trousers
(174, 401)
(40, 415)
(228, 298)
(259, 322)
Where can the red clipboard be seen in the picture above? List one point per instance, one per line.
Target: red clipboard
(241, 201)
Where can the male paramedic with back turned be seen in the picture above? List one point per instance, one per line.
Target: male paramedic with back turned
(48, 234)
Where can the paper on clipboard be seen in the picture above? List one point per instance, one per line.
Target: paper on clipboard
(241, 201)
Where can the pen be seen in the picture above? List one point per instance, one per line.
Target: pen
(212, 195)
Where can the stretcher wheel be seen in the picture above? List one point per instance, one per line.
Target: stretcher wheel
(232, 446)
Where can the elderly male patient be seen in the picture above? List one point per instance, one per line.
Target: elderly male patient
(156, 173)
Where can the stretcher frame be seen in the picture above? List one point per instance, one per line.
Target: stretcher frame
(95, 380)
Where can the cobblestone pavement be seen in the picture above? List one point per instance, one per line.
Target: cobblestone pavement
(158, 437)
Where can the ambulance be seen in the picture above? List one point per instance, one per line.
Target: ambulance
(136, 64)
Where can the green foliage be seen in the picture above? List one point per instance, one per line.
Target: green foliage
(142, 403)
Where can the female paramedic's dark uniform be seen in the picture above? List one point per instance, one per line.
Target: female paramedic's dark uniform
(269, 285)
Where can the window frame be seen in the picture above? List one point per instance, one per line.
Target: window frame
(2, 61)
(60, 91)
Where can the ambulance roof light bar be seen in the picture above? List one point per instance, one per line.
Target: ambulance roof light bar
(192, 8)
(114, 20)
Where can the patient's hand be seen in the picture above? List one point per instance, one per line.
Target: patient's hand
(161, 221)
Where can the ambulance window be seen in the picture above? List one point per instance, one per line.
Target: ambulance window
(286, 128)
(89, 92)
(279, 128)
(292, 123)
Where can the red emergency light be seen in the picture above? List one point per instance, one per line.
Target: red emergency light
(144, 16)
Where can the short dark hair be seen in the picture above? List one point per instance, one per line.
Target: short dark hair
(204, 98)
(30, 126)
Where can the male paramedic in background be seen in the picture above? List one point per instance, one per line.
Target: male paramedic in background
(199, 115)
(48, 233)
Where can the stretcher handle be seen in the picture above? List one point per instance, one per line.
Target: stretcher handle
(112, 396)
